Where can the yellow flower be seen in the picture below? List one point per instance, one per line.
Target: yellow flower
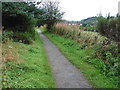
(4, 83)
(5, 79)
(4, 76)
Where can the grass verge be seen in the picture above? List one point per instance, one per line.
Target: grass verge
(77, 55)
(26, 66)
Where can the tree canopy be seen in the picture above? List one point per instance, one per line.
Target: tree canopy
(52, 13)
(17, 13)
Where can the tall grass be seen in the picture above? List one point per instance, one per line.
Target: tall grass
(104, 49)
(73, 32)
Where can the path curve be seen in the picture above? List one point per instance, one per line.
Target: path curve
(65, 74)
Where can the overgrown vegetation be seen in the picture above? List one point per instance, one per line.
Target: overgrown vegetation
(84, 59)
(109, 27)
(26, 66)
(104, 48)
(21, 18)
(16, 18)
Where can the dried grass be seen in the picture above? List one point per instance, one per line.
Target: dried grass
(10, 52)
(83, 37)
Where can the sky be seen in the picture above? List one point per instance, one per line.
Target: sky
(80, 9)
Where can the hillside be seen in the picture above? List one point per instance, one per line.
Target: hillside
(90, 20)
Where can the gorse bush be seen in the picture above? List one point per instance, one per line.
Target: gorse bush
(104, 49)
(109, 27)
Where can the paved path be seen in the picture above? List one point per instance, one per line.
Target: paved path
(65, 74)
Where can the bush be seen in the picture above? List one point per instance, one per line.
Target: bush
(109, 27)
(19, 18)
(6, 36)
(23, 37)
(19, 23)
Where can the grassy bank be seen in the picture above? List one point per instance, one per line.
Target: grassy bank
(81, 58)
(26, 66)
(103, 52)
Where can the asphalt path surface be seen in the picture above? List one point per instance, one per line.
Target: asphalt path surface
(65, 74)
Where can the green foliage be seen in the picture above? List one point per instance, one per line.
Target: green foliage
(30, 70)
(40, 22)
(23, 16)
(25, 37)
(16, 16)
(14, 8)
(21, 8)
(109, 27)
(6, 36)
(88, 27)
(19, 17)
(52, 13)
(108, 52)
(90, 20)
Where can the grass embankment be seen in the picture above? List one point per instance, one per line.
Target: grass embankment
(78, 56)
(26, 66)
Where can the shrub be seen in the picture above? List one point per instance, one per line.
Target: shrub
(23, 37)
(109, 27)
(6, 36)
(19, 17)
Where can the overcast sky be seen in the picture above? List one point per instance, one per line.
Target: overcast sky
(81, 9)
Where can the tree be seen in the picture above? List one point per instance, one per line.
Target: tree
(20, 18)
(52, 13)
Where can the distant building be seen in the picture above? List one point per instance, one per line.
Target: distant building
(73, 24)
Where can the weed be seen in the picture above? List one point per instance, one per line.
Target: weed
(32, 71)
